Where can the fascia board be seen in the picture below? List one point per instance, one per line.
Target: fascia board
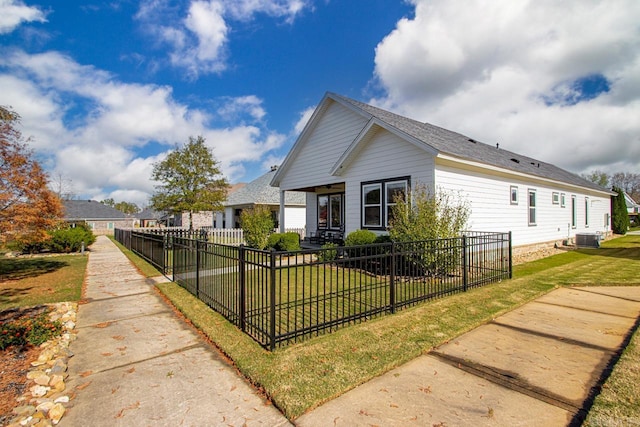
(444, 159)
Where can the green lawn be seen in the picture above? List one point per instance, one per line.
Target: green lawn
(307, 374)
(41, 280)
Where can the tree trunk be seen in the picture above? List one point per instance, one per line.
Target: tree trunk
(190, 220)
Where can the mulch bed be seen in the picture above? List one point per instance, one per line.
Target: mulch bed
(15, 363)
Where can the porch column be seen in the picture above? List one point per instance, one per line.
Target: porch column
(282, 211)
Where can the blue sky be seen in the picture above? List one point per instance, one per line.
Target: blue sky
(106, 88)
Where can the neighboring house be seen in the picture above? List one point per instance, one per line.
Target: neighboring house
(102, 219)
(148, 218)
(351, 158)
(633, 209)
(260, 192)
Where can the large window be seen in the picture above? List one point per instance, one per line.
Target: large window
(378, 200)
(574, 212)
(330, 211)
(532, 207)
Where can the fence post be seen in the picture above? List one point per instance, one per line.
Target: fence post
(242, 294)
(465, 275)
(510, 257)
(392, 279)
(197, 268)
(272, 298)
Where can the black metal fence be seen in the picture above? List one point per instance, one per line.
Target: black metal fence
(282, 297)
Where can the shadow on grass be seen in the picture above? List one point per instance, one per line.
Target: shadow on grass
(626, 253)
(17, 269)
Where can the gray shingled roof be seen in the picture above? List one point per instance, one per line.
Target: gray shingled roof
(149, 213)
(458, 145)
(260, 192)
(90, 209)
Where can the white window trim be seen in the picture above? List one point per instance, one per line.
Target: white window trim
(531, 191)
(365, 206)
(513, 190)
(586, 212)
(563, 201)
(555, 198)
(574, 211)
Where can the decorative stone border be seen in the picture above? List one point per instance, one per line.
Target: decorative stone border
(45, 402)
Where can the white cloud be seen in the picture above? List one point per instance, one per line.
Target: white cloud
(15, 12)
(510, 72)
(236, 108)
(198, 36)
(305, 116)
(244, 10)
(103, 133)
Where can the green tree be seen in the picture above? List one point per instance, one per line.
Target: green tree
(620, 216)
(109, 202)
(257, 224)
(423, 215)
(126, 207)
(190, 181)
(598, 177)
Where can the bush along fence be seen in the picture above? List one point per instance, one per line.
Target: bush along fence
(283, 297)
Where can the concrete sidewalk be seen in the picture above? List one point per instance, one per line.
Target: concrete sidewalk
(137, 364)
(534, 366)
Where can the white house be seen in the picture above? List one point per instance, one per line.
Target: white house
(260, 192)
(351, 158)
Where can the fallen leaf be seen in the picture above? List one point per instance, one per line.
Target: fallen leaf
(86, 374)
(83, 386)
(102, 325)
(118, 337)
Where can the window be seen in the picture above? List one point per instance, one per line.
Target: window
(514, 195)
(586, 212)
(110, 226)
(335, 201)
(330, 211)
(606, 219)
(532, 207)
(562, 200)
(372, 205)
(394, 190)
(323, 211)
(555, 198)
(378, 200)
(574, 212)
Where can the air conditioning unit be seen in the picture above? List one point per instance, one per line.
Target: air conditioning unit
(588, 240)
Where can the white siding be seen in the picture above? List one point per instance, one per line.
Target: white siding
(335, 131)
(295, 217)
(384, 156)
(491, 208)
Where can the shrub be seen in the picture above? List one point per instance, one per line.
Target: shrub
(360, 237)
(256, 224)
(328, 253)
(284, 241)
(67, 239)
(26, 330)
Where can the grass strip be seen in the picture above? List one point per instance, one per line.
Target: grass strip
(302, 376)
(29, 281)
